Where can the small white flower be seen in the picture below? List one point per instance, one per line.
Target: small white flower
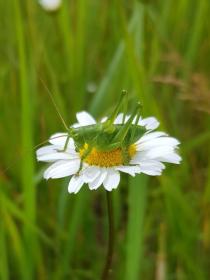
(103, 167)
(50, 5)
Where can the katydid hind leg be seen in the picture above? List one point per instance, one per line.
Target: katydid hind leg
(120, 136)
(114, 114)
(125, 108)
(138, 115)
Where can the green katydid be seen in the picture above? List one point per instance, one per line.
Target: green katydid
(107, 136)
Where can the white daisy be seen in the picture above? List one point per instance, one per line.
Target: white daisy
(103, 167)
(50, 5)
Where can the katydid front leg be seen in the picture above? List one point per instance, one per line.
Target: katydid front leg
(66, 144)
(86, 153)
(70, 135)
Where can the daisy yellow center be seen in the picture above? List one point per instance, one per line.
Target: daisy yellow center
(107, 158)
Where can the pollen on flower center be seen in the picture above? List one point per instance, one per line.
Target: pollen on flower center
(108, 158)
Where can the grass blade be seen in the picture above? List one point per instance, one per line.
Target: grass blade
(135, 228)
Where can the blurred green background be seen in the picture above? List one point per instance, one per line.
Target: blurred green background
(86, 53)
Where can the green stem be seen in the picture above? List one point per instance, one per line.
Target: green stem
(108, 264)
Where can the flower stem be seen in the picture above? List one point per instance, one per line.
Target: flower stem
(109, 257)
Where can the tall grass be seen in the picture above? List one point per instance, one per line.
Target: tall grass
(162, 224)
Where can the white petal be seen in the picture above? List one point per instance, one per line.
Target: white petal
(159, 151)
(158, 142)
(153, 153)
(51, 153)
(150, 136)
(119, 119)
(139, 156)
(112, 179)
(46, 150)
(171, 158)
(99, 179)
(50, 5)
(131, 170)
(62, 168)
(75, 184)
(75, 125)
(84, 118)
(152, 167)
(50, 157)
(90, 173)
(150, 123)
(104, 119)
(58, 139)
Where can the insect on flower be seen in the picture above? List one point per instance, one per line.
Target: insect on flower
(95, 152)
